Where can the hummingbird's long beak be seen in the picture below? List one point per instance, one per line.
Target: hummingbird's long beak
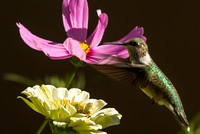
(113, 43)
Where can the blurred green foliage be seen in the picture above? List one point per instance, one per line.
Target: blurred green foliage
(194, 126)
(78, 81)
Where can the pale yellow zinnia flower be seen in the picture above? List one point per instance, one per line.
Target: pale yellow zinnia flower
(71, 109)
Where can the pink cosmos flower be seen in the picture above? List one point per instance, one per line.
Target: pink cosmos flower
(75, 20)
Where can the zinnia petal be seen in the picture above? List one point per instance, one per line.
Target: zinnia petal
(73, 92)
(92, 132)
(107, 117)
(59, 93)
(87, 127)
(30, 104)
(97, 105)
(77, 95)
(135, 33)
(60, 114)
(96, 36)
(51, 49)
(75, 18)
(74, 48)
(106, 121)
(74, 121)
(73, 110)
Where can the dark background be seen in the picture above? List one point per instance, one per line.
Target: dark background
(172, 29)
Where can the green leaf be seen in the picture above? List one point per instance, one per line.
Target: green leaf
(19, 79)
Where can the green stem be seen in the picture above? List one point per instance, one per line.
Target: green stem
(72, 76)
(42, 126)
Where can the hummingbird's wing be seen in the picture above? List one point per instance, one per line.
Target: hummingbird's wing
(123, 71)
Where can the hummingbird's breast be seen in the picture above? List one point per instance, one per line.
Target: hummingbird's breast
(158, 87)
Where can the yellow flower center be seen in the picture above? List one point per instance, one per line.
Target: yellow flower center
(85, 46)
(79, 106)
(89, 111)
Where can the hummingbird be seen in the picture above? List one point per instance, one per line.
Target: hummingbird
(140, 70)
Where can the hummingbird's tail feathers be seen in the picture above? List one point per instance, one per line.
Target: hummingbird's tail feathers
(182, 117)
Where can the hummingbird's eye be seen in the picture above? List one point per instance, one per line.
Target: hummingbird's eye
(135, 43)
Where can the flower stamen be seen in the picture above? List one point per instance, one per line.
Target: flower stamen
(85, 46)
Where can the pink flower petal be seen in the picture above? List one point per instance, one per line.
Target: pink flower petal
(107, 54)
(135, 33)
(74, 48)
(51, 49)
(75, 18)
(96, 36)
(103, 50)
